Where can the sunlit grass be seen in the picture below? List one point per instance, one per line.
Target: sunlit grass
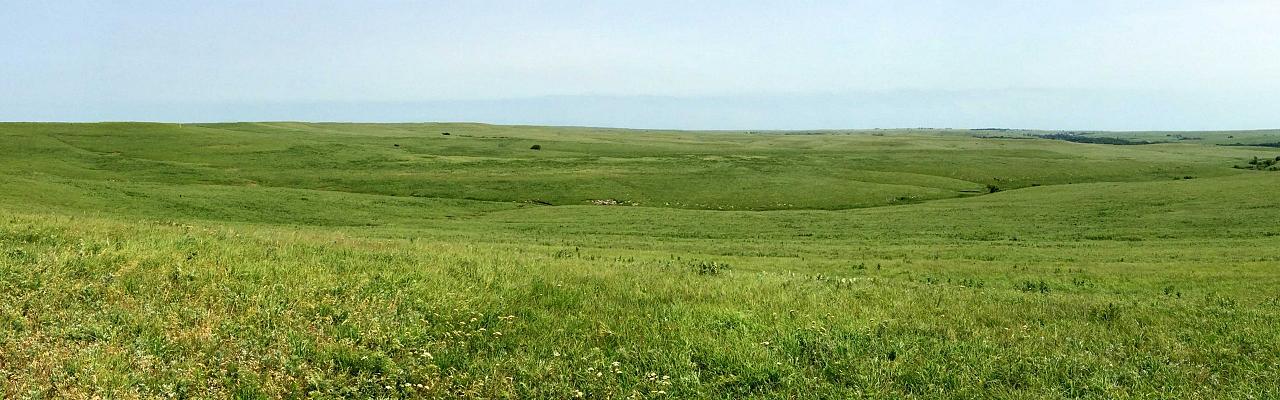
(119, 283)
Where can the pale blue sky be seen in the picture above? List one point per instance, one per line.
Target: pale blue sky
(697, 64)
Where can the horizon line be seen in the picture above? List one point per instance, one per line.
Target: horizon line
(440, 122)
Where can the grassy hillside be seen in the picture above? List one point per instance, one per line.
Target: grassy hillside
(351, 260)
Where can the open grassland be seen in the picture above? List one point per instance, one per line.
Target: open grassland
(347, 260)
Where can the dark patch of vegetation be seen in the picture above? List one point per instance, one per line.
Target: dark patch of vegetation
(808, 133)
(535, 147)
(444, 133)
(567, 253)
(992, 188)
(1081, 138)
(1261, 164)
(1010, 137)
(1106, 314)
(906, 199)
(1034, 287)
(708, 267)
(1275, 144)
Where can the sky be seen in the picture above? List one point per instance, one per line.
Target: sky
(1083, 64)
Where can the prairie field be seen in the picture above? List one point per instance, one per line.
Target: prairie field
(453, 260)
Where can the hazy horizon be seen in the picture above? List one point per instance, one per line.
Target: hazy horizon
(1092, 65)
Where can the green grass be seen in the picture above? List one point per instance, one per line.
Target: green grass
(353, 260)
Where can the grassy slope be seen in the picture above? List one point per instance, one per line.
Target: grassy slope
(260, 259)
(482, 162)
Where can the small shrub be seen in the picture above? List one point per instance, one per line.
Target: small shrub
(536, 147)
(708, 267)
(19, 255)
(1033, 287)
(1221, 301)
(1108, 314)
(992, 188)
(567, 253)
